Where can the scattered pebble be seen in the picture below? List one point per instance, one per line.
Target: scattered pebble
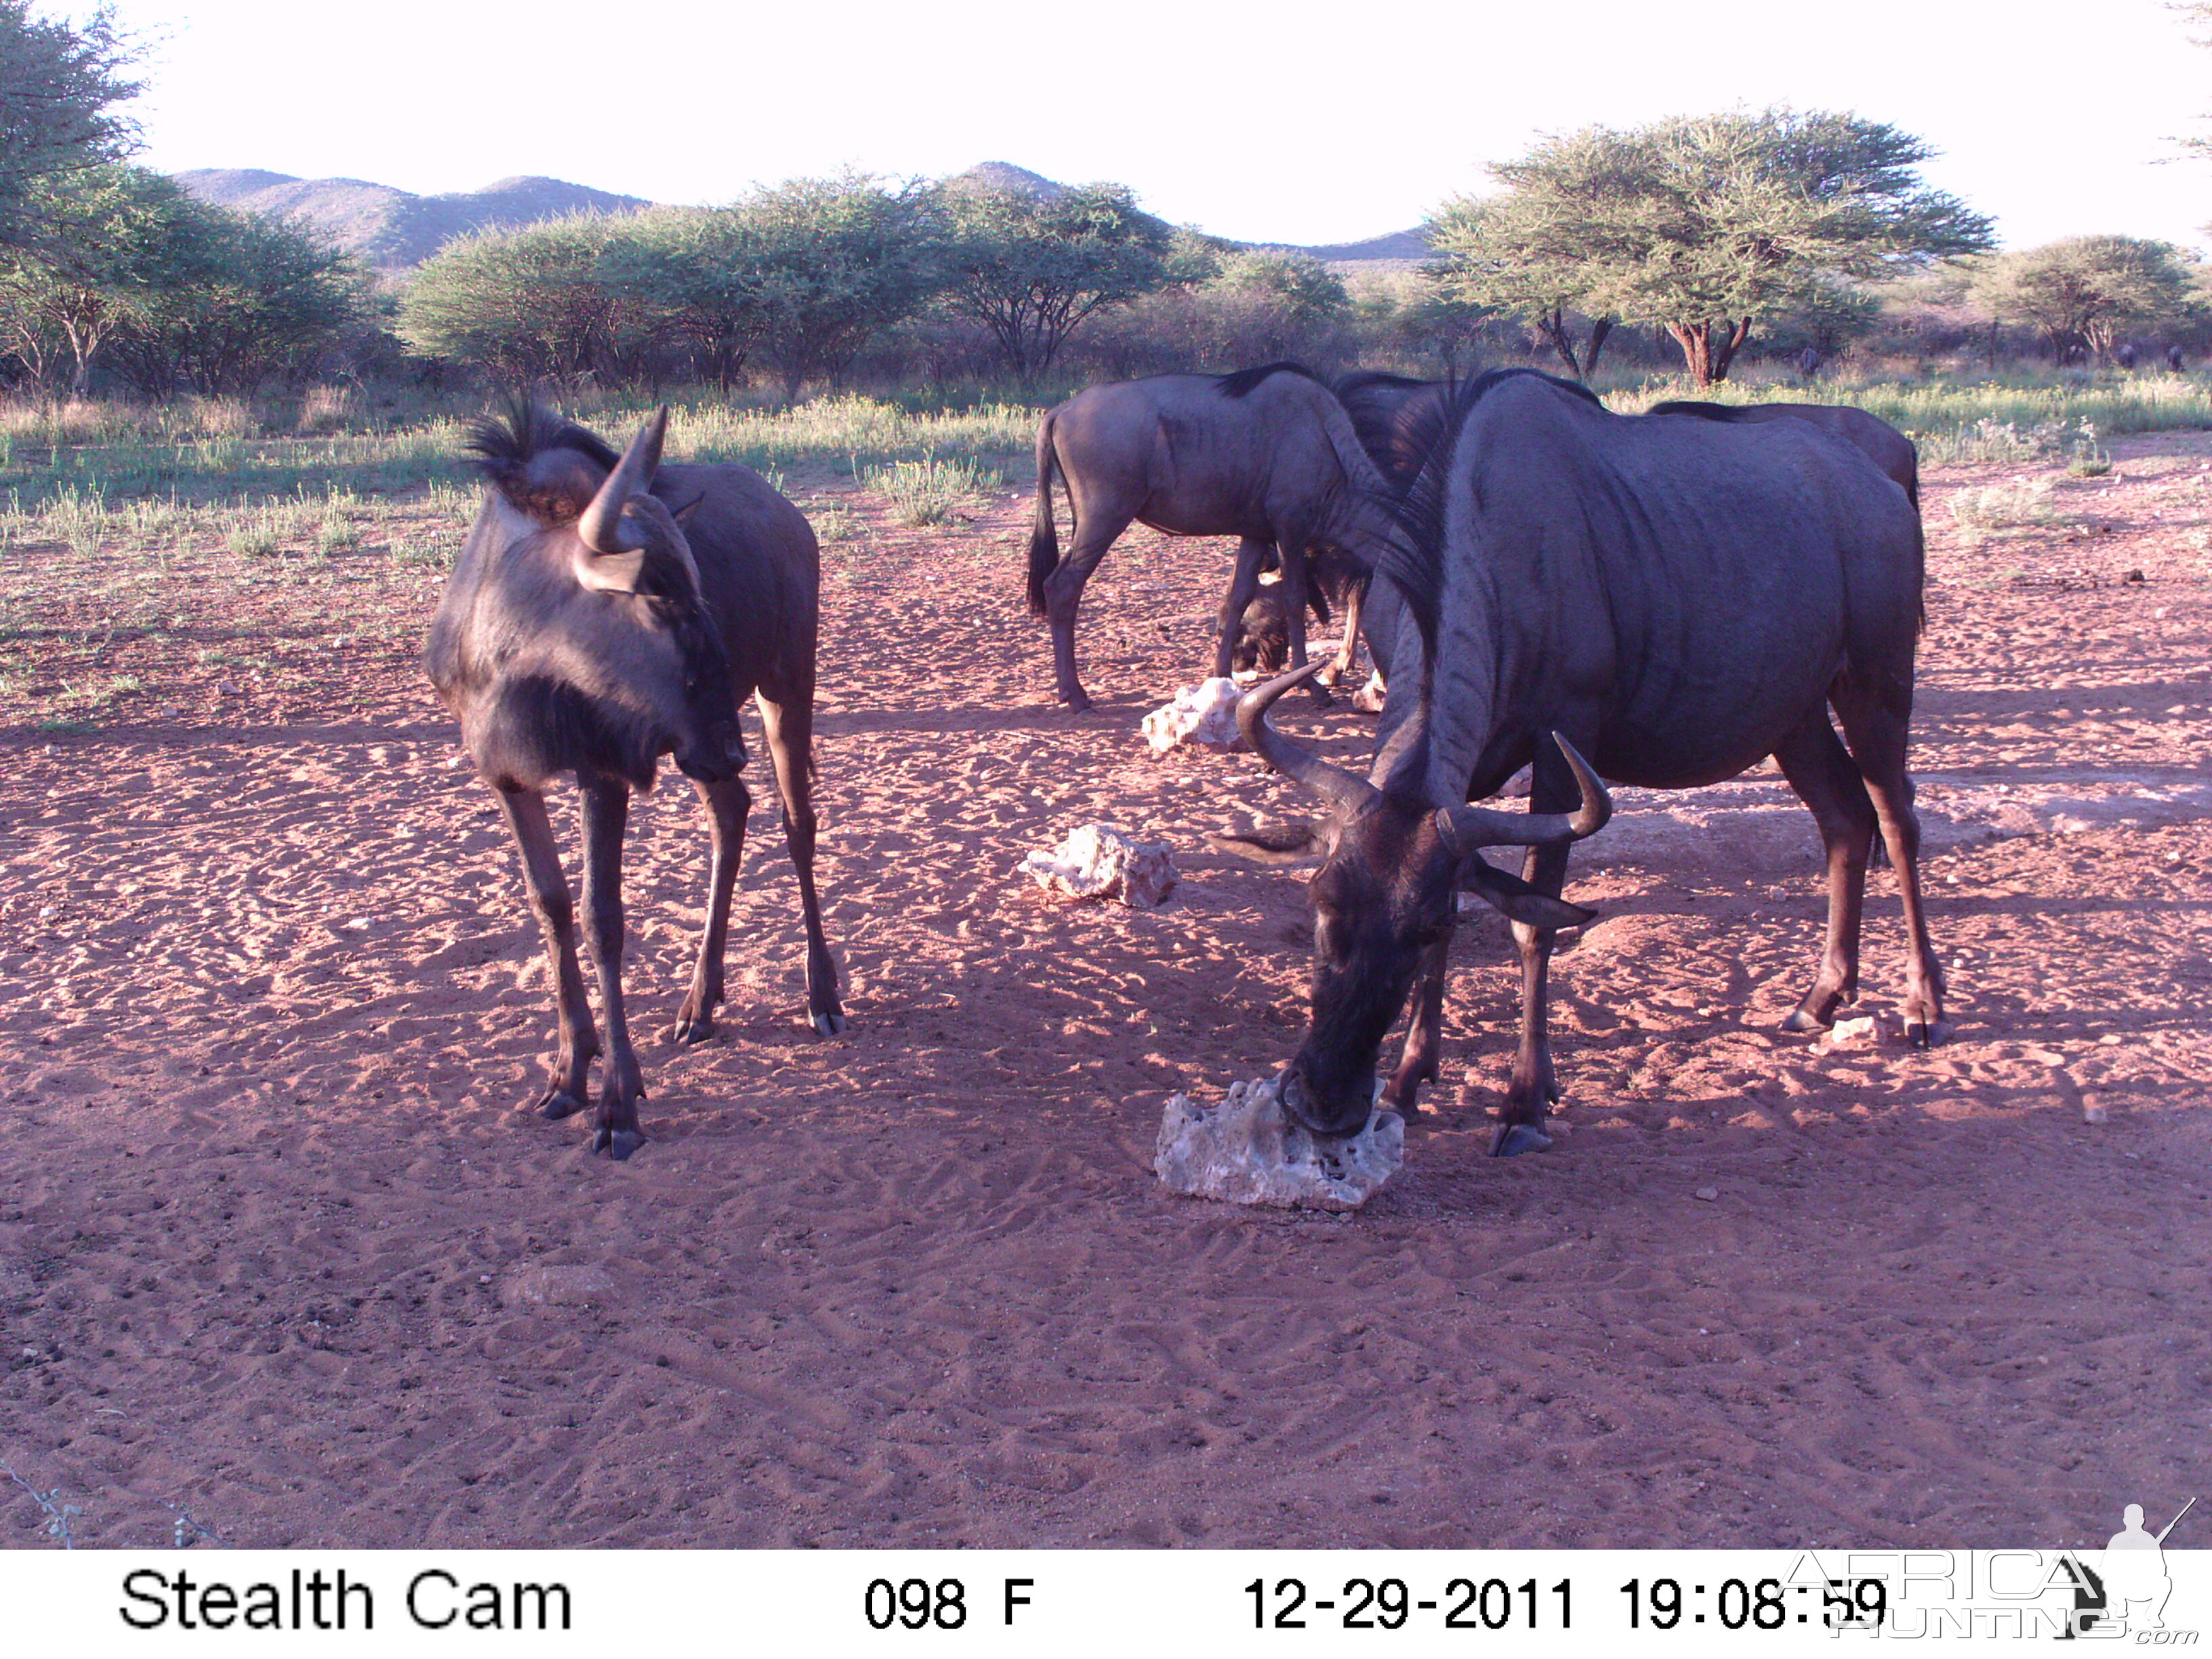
(2110, 1040)
(1710, 1194)
(2092, 1111)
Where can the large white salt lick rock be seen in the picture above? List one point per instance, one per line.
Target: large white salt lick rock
(1099, 861)
(1201, 713)
(1248, 1151)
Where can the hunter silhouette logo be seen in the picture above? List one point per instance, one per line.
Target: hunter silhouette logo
(2127, 1590)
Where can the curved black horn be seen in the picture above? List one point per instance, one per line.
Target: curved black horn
(1466, 828)
(601, 525)
(1345, 791)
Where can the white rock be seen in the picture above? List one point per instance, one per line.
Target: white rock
(1246, 1151)
(571, 1286)
(1099, 861)
(1202, 713)
(1867, 1031)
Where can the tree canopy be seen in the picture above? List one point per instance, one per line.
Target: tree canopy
(1704, 225)
(58, 87)
(2085, 290)
(1032, 268)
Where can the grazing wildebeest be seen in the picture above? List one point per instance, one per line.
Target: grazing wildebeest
(1885, 446)
(585, 629)
(2174, 358)
(2125, 356)
(1267, 455)
(1263, 634)
(1676, 599)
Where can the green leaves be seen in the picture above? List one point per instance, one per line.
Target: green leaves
(1701, 220)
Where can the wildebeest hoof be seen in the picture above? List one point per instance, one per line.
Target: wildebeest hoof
(618, 1144)
(1078, 704)
(1514, 1138)
(1804, 1020)
(556, 1103)
(829, 1022)
(1928, 1033)
(691, 1028)
(1320, 693)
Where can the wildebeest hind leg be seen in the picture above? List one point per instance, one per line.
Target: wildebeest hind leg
(789, 728)
(1876, 733)
(1063, 593)
(1819, 769)
(621, 1085)
(1416, 1064)
(564, 1092)
(727, 803)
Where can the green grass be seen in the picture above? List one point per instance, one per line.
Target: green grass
(930, 490)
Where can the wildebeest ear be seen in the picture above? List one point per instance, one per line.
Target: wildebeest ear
(1283, 844)
(609, 573)
(1517, 899)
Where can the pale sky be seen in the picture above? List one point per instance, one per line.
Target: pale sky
(1278, 123)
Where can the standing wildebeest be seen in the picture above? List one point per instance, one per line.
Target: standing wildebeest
(1676, 598)
(1267, 454)
(586, 630)
(1884, 444)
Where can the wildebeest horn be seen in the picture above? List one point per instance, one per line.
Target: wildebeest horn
(1345, 791)
(1466, 828)
(602, 526)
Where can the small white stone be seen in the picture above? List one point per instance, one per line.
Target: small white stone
(1205, 714)
(2093, 1111)
(1867, 1031)
(1710, 1194)
(1099, 861)
(2110, 1040)
(557, 1286)
(1248, 1151)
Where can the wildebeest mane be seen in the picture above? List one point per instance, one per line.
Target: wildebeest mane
(522, 453)
(1703, 411)
(1413, 560)
(1242, 383)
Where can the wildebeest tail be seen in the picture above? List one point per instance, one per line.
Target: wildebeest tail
(1044, 541)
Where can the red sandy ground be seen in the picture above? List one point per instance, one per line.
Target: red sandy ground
(270, 999)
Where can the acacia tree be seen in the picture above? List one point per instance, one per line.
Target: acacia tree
(1705, 225)
(529, 304)
(703, 272)
(117, 237)
(58, 84)
(1030, 268)
(839, 259)
(1527, 253)
(2083, 290)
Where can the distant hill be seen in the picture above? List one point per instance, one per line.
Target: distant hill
(393, 229)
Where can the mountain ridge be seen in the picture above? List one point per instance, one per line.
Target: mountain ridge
(393, 230)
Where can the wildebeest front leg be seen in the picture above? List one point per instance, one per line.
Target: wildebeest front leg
(1295, 575)
(789, 729)
(548, 888)
(1813, 759)
(1417, 1062)
(1348, 648)
(1250, 555)
(727, 803)
(1551, 788)
(621, 1085)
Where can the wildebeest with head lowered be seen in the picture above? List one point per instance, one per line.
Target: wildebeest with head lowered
(1267, 455)
(588, 628)
(1675, 598)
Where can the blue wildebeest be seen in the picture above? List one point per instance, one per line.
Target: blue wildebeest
(1267, 455)
(588, 629)
(1676, 598)
(1883, 444)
